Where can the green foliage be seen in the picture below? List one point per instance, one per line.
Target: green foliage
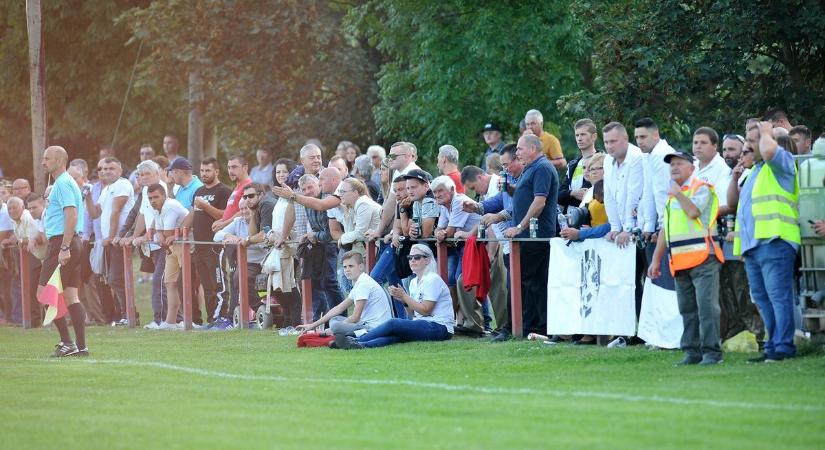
(274, 72)
(450, 66)
(715, 63)
(87, 72)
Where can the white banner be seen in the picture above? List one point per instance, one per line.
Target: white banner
(660, 323)
(590, 288)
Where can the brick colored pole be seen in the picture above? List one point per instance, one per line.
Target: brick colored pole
(186, 272)
(243, 289)
(515, 289)
(25, 288)
(129, 284)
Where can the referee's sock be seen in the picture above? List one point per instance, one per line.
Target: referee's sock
(60, 324)
(79, 323)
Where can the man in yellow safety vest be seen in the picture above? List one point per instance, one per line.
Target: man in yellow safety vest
(688, 233)
(767, 236)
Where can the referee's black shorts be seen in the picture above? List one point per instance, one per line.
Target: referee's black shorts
(70, 272)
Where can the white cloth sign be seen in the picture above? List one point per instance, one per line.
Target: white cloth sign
(660, 323)
(590, 288)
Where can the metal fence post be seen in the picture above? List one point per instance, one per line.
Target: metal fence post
(515, 289)
(371, 256)
(186, 272)
(441, 256)
(243, 288)
(306, 301)
(25, 289)
(129, 286)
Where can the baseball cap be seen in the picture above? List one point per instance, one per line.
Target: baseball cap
(686, 156)
(181, 163)
(418, 174)
(490, 126)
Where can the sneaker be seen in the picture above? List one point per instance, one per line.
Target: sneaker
(502, 336)
(79, 353)
(168, 326)
(195, 326)
(63, 349)
(758, 360)
(122, 323)
(221, 324)
(710, 361)
(689, 360)
(345, 342)
(152, 326)
(619, 342)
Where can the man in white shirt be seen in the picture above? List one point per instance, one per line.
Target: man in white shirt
(402, 159)
(656, 177)
(262, 173)
(710, 166)
(27, 236)
(370, 301)
(112, 207)
(623, 182)
(169, 214)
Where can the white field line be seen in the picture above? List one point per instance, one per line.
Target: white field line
(447, 387)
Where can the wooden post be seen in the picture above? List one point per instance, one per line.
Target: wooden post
(243, 289)
(37, 88)
(186, 272)
(129, 286)
(515, 289)
(195, 134)
(25, 288)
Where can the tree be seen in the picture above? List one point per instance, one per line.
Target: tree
(273, 72)
(450, 66)
(37, 83)
(714, 63)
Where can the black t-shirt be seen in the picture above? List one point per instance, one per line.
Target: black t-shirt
(216, 196)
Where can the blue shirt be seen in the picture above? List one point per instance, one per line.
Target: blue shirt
(64, 194)
(186, 194)
(783, 169)
(539, 179)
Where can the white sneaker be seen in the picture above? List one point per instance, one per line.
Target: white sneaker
(619, 342)
(167, 326)
(194, 326)
(152, 326)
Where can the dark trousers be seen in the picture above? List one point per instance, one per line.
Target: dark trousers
(208, 270)
(115, 278)
(34, 276)
(535, 259)
(108, 305)
(253, 270)
(325, 292)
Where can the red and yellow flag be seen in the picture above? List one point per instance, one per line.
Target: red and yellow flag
(52, 297)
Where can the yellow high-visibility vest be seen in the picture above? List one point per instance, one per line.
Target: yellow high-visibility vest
(775, 211)
(689, 241)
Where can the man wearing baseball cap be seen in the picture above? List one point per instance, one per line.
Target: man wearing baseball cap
(493, 138)
(688, 234)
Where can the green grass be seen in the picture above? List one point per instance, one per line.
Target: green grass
(238, 389)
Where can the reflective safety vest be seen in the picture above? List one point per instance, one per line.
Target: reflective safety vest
(775, 210)
(689, 241)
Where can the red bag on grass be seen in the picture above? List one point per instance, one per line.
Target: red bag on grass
(314, 340)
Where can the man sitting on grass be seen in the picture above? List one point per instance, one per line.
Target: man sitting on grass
(372, 306)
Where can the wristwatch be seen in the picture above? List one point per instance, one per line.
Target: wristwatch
(518, 226)
(64, 248)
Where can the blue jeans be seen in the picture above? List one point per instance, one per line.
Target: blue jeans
(394, 331)
(384, 272)
(454, 257)
(770, 273)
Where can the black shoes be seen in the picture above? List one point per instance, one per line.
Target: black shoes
(502, 336)
(345, 342)
(469, 332)
(689, 360)
(64, 349)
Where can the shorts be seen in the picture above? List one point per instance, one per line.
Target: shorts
(69, 273)
(173, 264)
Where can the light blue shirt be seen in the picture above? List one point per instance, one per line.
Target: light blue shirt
(783, 169)
(186, 194)
(64, 194)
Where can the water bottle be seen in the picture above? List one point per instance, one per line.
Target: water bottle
(562, 221)
(480, 233)
(534, 227)
(502, 181)
(417, 222)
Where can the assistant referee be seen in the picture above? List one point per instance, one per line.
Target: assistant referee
(62, 230)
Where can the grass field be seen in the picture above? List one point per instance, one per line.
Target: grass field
(143, 389)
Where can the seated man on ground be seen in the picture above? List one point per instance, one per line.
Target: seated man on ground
(372, 306)
(429, 299)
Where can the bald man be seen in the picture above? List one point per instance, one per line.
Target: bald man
(62, 227)
(21, 188)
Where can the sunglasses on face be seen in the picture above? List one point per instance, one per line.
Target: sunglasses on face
(250, 196)
(415, 257)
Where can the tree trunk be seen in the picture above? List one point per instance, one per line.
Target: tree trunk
(37, 86)
(210, 141)
(195, 143)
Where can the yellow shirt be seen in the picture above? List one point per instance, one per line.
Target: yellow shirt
(598, 215)
(551, 146)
